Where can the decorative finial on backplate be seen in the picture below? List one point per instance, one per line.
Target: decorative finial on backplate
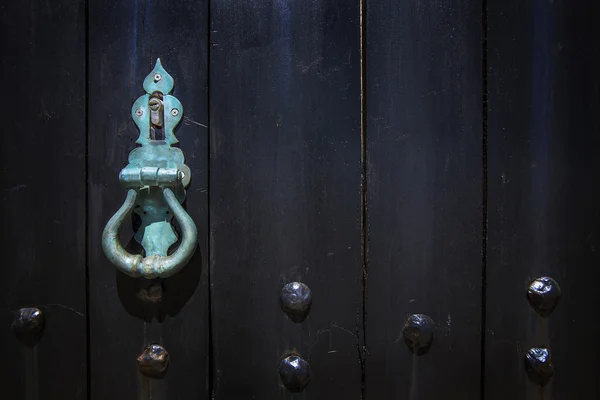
(158, 80)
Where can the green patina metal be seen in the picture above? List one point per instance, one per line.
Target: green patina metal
(156, 177)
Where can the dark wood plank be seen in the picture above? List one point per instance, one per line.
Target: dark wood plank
(285, 193)
(43, 196)
(125, 40)
(424, 195)
(543, 195)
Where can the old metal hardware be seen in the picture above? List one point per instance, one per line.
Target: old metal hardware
(294, 372)
(153, 361)
(418, 333)
(156, 177)
(543, 295)
(538, 365)
(28, 325)
(296, 299)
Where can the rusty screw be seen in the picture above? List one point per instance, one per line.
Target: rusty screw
(154, 361)
(28, 325)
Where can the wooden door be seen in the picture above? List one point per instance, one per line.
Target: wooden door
(542, 140)
(376, 185)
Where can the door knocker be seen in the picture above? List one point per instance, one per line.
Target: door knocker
(156, 178)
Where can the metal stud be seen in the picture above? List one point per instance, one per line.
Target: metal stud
(28, 325)
(543, 295)
(151, 291)
(418, 333)
(296, 300)
(295, 373)
(538, 365)
(154, 361)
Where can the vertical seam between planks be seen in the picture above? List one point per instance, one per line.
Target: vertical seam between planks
(86, 64)
(484, 227)
(363, 190)
(211, 353)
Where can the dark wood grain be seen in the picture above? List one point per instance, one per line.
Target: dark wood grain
(285, 193)
(43, 196)
(424, 195)
(125, 40)
(543, 195)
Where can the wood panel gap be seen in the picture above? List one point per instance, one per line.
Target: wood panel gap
(484, 150)
(363, 160)
(86, 106)
(211, 357)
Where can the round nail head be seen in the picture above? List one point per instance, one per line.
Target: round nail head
(418, 333)
(295, 373)
(296, 300)
(543, 294)
(538, 365)
(28, 325)
(151, 291)
(154, 361)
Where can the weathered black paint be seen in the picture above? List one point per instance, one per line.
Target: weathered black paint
(286, 190)
(42, 203)
(285, 193)
(543, 193)
(424, 195)
(127, 315)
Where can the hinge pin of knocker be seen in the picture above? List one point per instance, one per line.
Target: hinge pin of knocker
(156, 177)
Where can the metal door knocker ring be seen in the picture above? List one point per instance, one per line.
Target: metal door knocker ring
(156, 177)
